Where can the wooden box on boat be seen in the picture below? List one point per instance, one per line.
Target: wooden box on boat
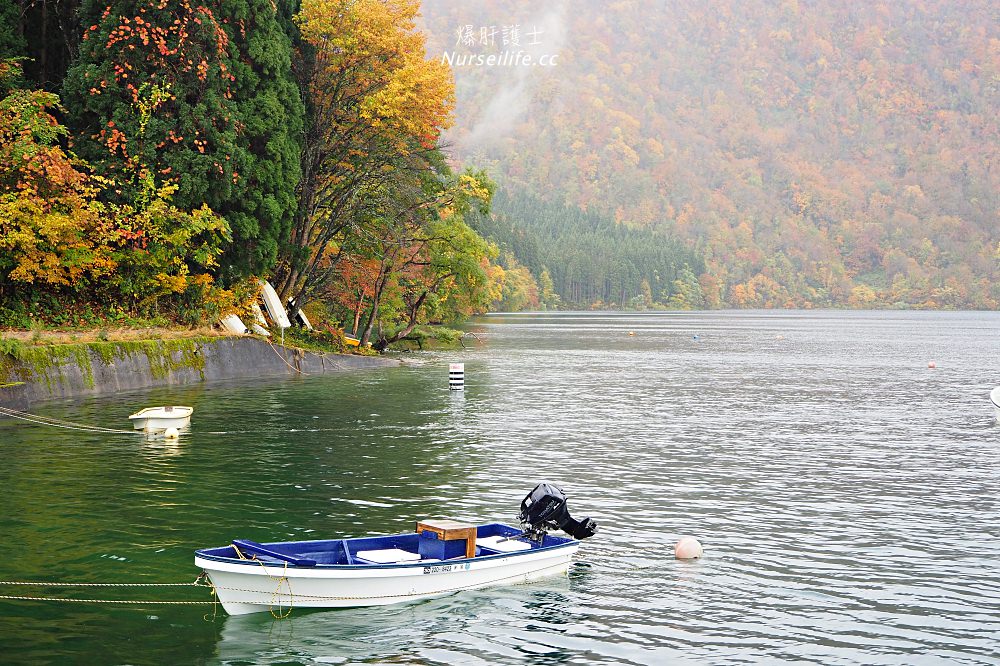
(444, 539)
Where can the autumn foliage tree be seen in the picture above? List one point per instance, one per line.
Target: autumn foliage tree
(424, 261)
(226, 131)
(182, 48)
(57, 239)
(52, 230)
(373, 98)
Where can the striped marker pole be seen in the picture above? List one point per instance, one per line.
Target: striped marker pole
(456, 376)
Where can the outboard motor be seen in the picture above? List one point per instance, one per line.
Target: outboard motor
(545, 507)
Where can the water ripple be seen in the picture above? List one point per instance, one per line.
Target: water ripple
(844, 492)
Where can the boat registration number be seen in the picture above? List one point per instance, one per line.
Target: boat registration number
(445, 568)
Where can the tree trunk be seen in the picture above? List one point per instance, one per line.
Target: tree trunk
(414, 310)
(383, 276)
(43, 57)
(359, 308)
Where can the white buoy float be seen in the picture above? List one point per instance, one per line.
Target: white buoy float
(456, 376)
(688, 548)
(171, 433)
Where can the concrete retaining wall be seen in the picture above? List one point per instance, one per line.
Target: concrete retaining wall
(60, 371)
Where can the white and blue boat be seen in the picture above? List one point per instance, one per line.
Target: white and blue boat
(440, 557)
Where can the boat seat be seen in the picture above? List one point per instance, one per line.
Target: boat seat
(386, 556)
(502, 544)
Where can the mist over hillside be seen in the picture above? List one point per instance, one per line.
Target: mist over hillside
(811, 153)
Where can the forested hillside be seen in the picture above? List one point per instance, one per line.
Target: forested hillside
(584, 257)
(811, 153)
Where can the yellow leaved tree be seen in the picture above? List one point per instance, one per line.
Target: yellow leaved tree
(372, 98)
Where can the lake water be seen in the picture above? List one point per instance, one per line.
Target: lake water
(846, 495)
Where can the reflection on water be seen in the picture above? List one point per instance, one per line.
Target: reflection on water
(398, 633)
(845, 494)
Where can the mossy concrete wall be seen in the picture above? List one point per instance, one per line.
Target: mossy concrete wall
(39, 373)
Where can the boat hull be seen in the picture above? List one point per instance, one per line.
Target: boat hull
(154, 424)
(273, 304)
(233, 324)
(155, 419)
(995, 399)
(259, 324)
(255, 587)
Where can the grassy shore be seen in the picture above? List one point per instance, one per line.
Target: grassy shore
(424, 337)
(58, 337)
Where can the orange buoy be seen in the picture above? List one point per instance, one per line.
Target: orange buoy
(931, 365)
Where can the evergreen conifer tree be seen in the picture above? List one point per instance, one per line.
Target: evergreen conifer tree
(227, 111)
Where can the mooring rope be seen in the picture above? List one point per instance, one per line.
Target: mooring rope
(200, 581)
(268, 341)
(278, 599)
(137, 602)
(70, 425)
(60, 423)
(276, 595)
(39, 583)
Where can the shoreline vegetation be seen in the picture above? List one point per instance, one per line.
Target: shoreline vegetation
(159, 159)
(11, 341)
(173, 156)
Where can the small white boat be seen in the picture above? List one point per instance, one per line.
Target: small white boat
(440, 557)
(259, 325)
(233, 324)
(995, 399)
(155, 419)
(275, 310)
(301, 316)
(297, 315)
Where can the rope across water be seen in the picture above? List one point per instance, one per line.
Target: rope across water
(70, 425)
(59, 423)
(278, 598)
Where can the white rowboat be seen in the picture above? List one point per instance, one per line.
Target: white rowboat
(155, 419)
(439, 557)
(275, 310)
(301, 316)
(995, 399)
(373, 571)
(259, 325)
(233, 324)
